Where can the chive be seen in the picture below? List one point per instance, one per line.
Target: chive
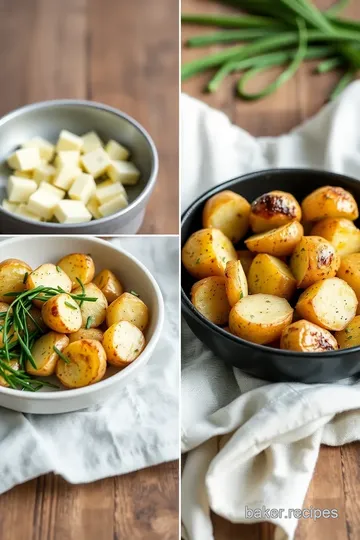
(330, 64)
(89, 322)
(61, 355)
(82, 288)
(229, 36)
(342, 84)
(58, 269)
(70, 305)
(224, 21)
(25, 276)
(134, 293)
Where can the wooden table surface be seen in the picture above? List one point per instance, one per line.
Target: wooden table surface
(124, 54)
(336, 483)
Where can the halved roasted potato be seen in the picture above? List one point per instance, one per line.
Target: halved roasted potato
(341, 233)
(206, 253)
(350, 336)
(260, 318)
(304, 336)
(246, 257)
(93, 313)
(349, 271)
(314, 258)
(44, 354)
(87, 333)
(123, 342)
(86, 364)
(330, 303)
(14, 365)
(109, 285)
(235, 282)
(48, 275)
(13, 274)
(228, 212)
(62, 314)
(78, 266)
(272, 210)
(329, 201)
(128, 307)
(279, 242)
(270, 275)
(209, 297)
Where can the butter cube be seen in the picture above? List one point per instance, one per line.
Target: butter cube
(117, 150)
(68, 141)
(72, 212)
(91, 141)
(49, 188)
(25, 174)
(67, 158)
(23, 211)
(108, 192)
(25, 159)
(113, 205)
(42, 204)
(44, 173)
(93, 207)
(124, 172)
(45, 148)
(19, 189)
(66, 176)
(83, 188)
(96, 162)
(9, 206)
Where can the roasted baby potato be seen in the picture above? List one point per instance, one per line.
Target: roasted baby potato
(206, 253)
(123, 342)
(209, 297)
(329, 303)
(15, 366)
(93, 313)
(109, 285)
(87, 333)
(128, 307)
(350, 336)
(314, 258)
(329, 201)
(246, 258)
(62, 314)
(304, 336)
(349, 271)
(48, 275)
(44, 354)
(228, 212)
(78, 266)
(235, 282)
(341, 233)
(272, 210)
(13, 274)
(270, 275)
(86, 364)
(260, 318)
(279, 242)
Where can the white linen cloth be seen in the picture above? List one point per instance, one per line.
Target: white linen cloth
(135, 428)
(253, 444)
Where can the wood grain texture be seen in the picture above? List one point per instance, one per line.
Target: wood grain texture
(124, 54)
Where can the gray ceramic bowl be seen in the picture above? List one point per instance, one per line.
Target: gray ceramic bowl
(47, 119)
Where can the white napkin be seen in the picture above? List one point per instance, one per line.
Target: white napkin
(134, 429)
(254, 444)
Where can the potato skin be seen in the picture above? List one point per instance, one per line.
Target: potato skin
(78, 266)
(209, 297)
(37, 317)
(12, 275)
(246, 257)
(109, 285)
(236, 284)
(270, 275)
(123, 343)
(329, 201)
(206, 253)
(44, 355)
(59, 317)
(14, 364)
(228, 212)
(272, 210)
(341, 233)
(350, 336)
(279, 242)
(96, 310)
(47, 275)
(314, 258)
(349, 271)
(128, 307)
(87, 364)
(304, 336)
(87, 333)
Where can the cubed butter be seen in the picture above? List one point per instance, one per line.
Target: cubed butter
(25, 174)
(117, 150)
(49, 188)
(83, 188)
(124, 172)
(96, 162)
(66, 176)
(44, 173)
(68, 141)
(19, 189)
(108, 192)
(72, 212)
(93, 207)
(67, 158)
(113, 205)
(45, 148)
(9, 206)
(91, 141)
(23, 211)
(25, 159)
(42, 203)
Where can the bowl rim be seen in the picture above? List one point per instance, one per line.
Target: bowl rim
(121, 374)
(188, 306)
(48, 104)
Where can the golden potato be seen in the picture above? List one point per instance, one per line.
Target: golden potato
(34, 320)
(87, 333)
(47, 275)
(109, 285)
(341, 233)
(62, 314)
(270, 275)
(314, 258)
(279, 242)
(329, 303)
(349, 271)
(350, 336)
(206, 253)
(304, 336)
(93, 313)
(235, 282)
(260, 318)
(228, 212)
(246, 257)
(44, 354)
(13, 274)
(14, 365)
(86, 364)
(128, 307)
(209, 297)
(78, 266)
(329, 201)
(123, 342)
(272, 210)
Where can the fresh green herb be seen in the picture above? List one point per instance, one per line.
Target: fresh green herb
(197, 261)
(58, 269)
(89, 322)
(134, 293)
(241, 295)
(82, 288)
(25, 277)
(70, 305)
(62, 356)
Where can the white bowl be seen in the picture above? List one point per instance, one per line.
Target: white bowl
(36, 250)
